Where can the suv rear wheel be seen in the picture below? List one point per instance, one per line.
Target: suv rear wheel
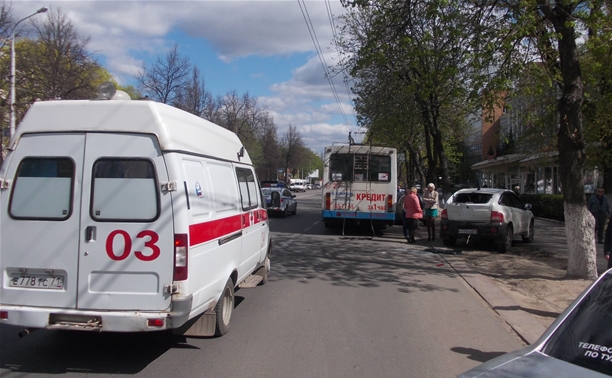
(507, 244)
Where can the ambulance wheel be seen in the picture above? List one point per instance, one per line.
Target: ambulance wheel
(224, 308)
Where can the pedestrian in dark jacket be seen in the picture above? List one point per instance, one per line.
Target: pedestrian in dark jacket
(599, 206)
(608, 244)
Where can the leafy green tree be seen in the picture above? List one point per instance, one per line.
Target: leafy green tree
(57, 65)
(417, 50)
(551, 33)
(597, 74)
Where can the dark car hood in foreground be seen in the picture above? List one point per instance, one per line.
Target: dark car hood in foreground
(534, 364)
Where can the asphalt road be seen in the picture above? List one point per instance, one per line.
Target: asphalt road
(334, 306)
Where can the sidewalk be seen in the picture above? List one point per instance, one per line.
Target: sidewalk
(550, 238)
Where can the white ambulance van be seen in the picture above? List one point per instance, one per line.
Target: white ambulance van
(127, 216)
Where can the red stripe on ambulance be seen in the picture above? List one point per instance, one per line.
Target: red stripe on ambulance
(207, 231)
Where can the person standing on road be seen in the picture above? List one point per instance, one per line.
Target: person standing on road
(414, 212)
(608, 244)
(599, 206)
(430, 197)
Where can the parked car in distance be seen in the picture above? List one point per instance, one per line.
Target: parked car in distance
(273, 184)
(279, 201)
(297, 187)
(317, 186)
(491, 214)
(309, 186)
(577, 344)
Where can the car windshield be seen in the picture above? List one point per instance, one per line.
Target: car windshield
(472, 197)
(585, 337)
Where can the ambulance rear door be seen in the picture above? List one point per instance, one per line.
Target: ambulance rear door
(127, 237)
(40, 204)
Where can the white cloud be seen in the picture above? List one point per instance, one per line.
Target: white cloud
(126, 33)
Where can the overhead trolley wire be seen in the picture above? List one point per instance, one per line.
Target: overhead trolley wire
(315, 41)
(330, 16)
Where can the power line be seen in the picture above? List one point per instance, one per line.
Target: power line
(315, 41)
(332, 25)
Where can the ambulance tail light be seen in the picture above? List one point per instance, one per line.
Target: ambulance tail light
(158, 322)
(390, 203)
(180, 257)
(327, 201)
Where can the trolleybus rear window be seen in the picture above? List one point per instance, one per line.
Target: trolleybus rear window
(360, 167)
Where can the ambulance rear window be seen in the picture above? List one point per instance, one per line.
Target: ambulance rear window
(43, 189)
(124, 190)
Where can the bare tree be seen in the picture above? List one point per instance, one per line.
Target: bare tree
(165, 79)
(268, 139)
(292, 148)
(193, 97)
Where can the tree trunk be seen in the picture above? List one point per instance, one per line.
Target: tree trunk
(580, 235)
(579, 223)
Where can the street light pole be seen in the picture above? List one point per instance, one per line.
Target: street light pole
(12, 96)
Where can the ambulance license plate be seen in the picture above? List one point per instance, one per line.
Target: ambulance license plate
(37, 281)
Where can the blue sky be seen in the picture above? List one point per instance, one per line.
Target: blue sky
(260, 47)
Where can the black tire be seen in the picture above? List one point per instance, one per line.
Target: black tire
(224, 308)
(450, 242)
(507, 244)
(285, 213)
(529, 237)
(295, 210)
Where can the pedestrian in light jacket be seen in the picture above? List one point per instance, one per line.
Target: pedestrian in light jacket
(599, 206)
(430, 197)
(414, 212)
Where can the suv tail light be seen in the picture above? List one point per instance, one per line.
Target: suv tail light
(180, 257)
(496, 216)
(444, 214)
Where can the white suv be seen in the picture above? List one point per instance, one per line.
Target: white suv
(491, 214)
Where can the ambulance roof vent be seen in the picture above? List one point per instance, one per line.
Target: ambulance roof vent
(107, 91)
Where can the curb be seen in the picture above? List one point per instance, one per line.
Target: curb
(522, 323)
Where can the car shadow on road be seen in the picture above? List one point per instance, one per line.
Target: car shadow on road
(357, 261)
(477, 355)
(60, 352)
